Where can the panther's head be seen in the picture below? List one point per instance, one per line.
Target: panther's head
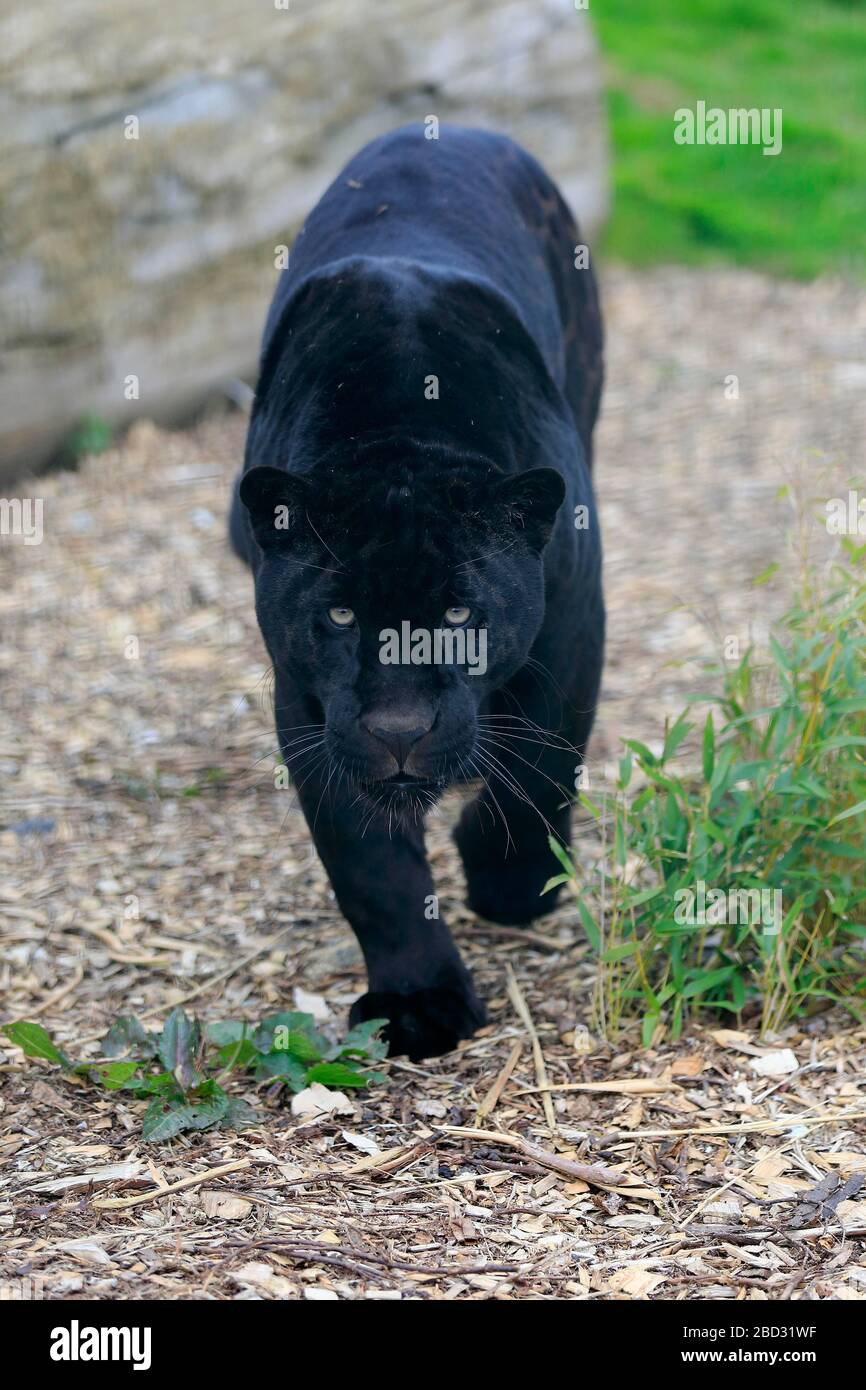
(395, 599)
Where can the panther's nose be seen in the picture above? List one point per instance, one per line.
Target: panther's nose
(398, 732)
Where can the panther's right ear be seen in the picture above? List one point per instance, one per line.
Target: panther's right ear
(276, 502)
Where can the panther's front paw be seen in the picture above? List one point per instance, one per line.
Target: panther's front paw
(424, 1024)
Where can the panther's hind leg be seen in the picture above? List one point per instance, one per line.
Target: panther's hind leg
(529, 774)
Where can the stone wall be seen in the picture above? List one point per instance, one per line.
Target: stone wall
(154, 257)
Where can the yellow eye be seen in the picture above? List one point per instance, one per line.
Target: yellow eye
(456, 617)
(341, 617)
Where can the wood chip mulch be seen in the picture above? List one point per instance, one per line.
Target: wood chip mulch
(146, 859)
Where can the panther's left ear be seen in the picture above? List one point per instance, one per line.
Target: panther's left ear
(531, 501)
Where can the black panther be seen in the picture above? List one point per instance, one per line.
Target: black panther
(419, 452)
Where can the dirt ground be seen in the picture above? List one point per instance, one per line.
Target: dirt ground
(146, 859)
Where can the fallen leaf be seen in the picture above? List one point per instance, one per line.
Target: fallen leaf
(724, 1209)
(261, 1276)
(224, 1205)
(88, 1252)
(313, 1004)
(730, 1037)
(433, 1109)
(361, 1141)
(688, 1066)
(780, 1062)
(43, 1094)
(318, 1100)
(634, 1281)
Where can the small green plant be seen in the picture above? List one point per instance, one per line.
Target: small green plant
(182, 1068)
(743, 879)
(213, 778)
(90, 435)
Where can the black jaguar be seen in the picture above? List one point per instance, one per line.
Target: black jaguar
(418, 466)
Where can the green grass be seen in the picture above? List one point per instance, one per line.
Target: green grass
(800, 213)
(767, 826)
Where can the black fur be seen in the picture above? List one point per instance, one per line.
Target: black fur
(451, 259)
